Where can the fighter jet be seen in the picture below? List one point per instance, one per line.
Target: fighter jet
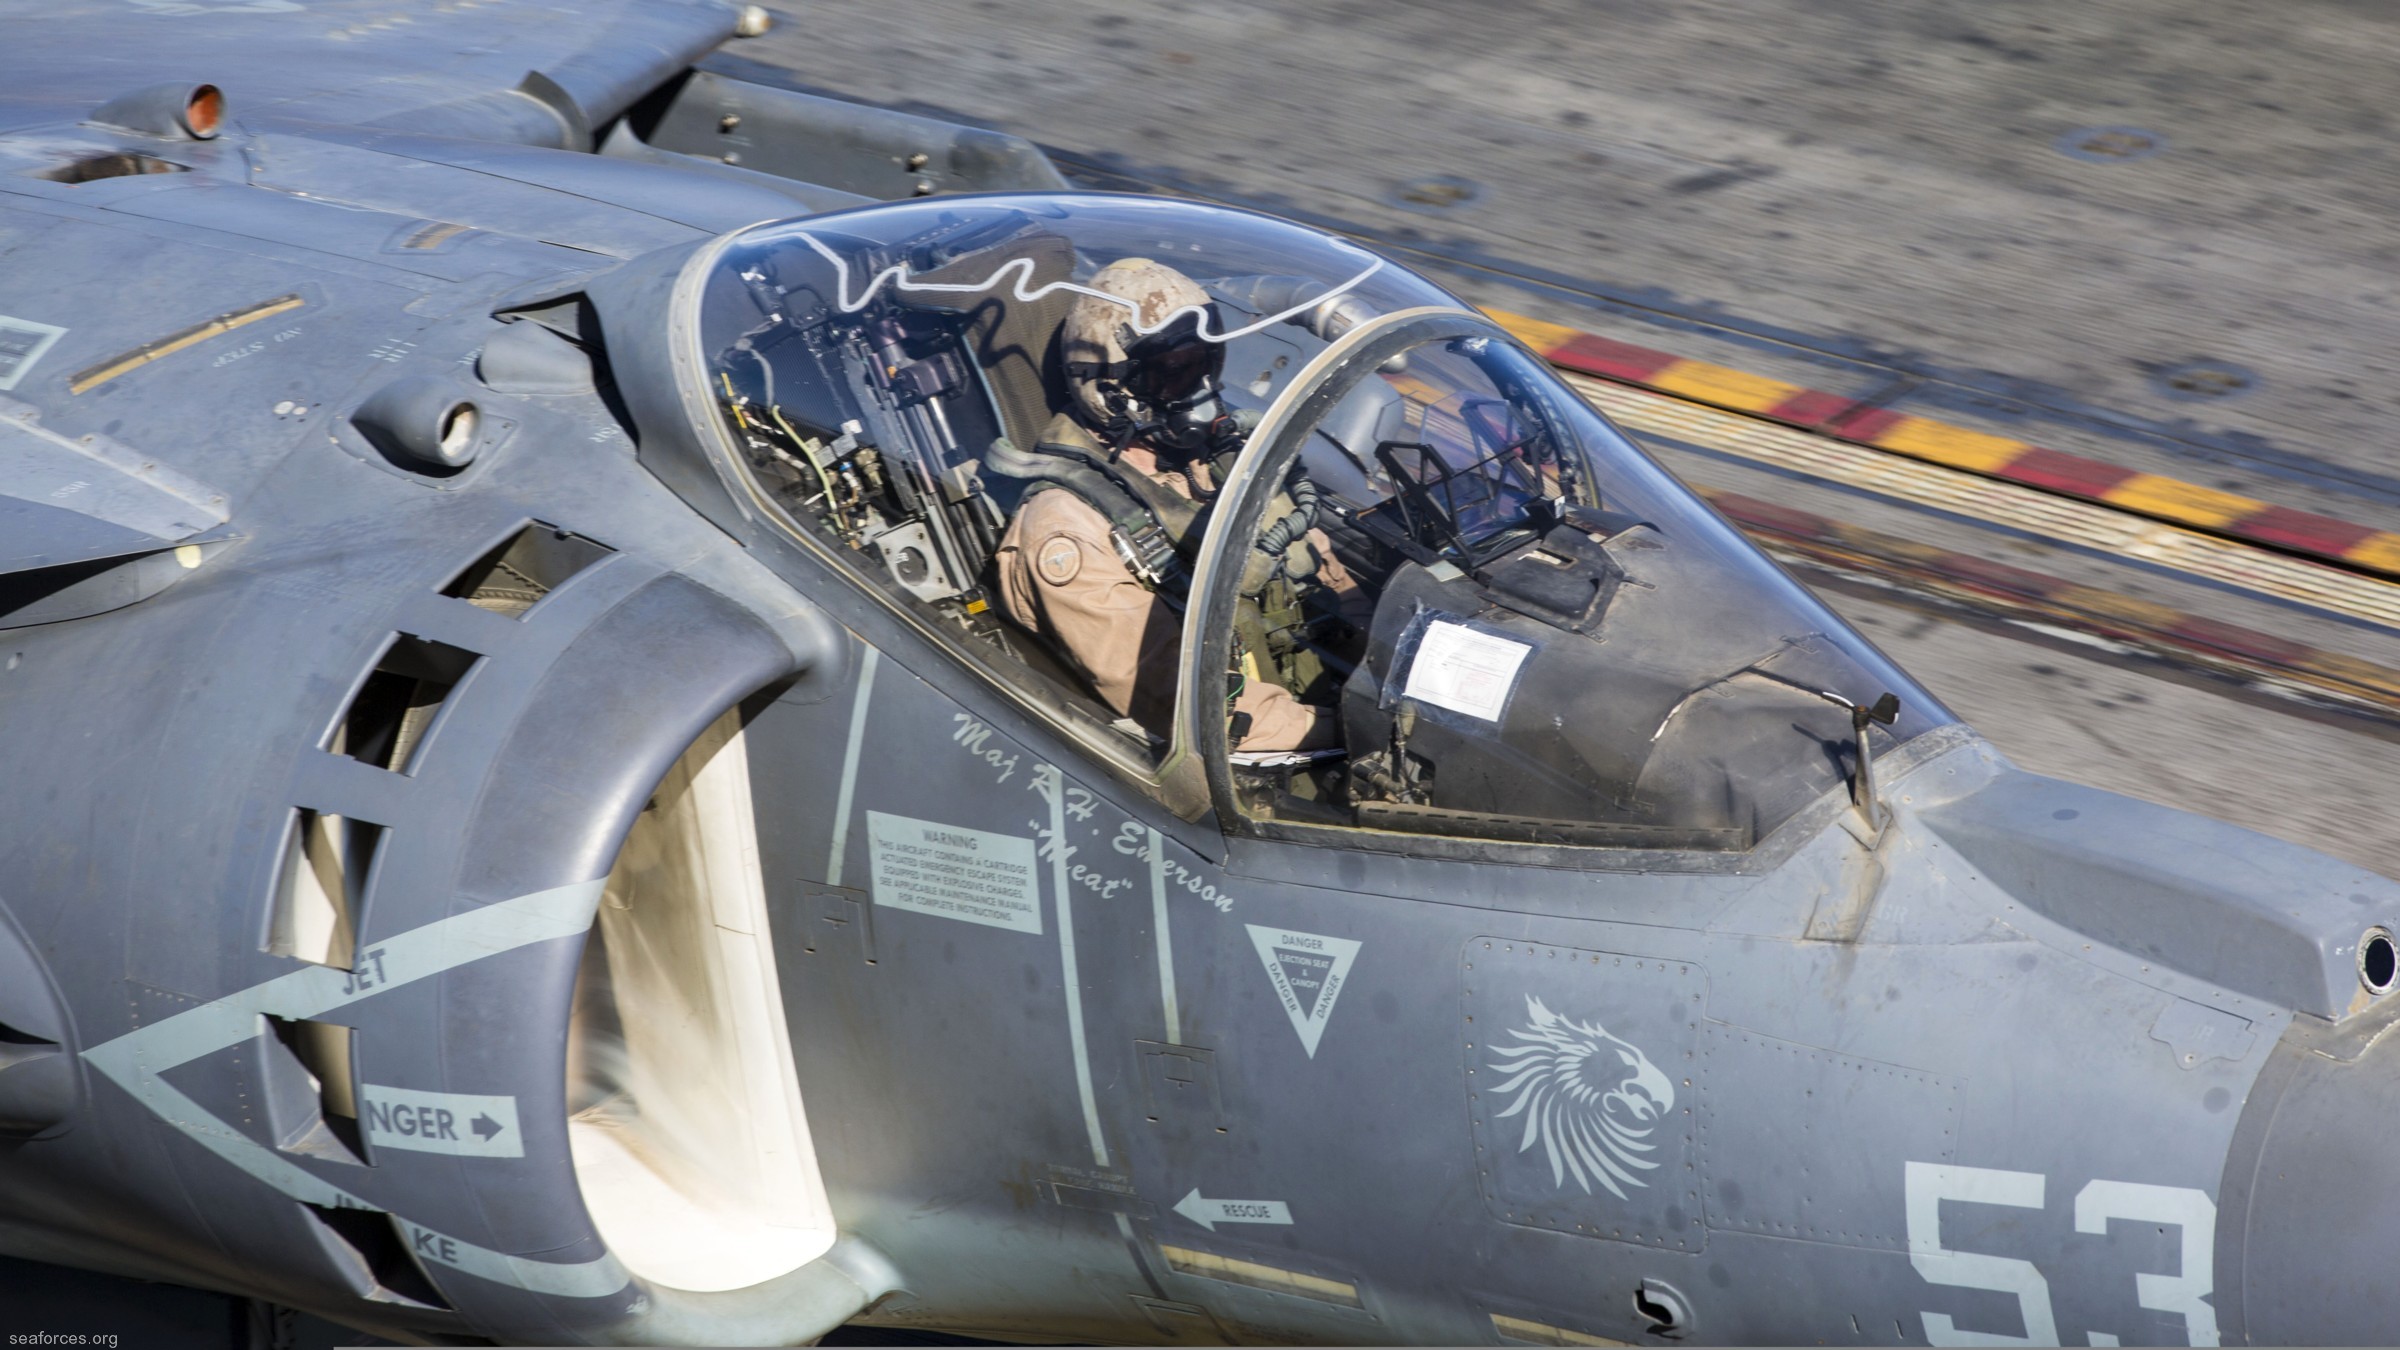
(544, 803)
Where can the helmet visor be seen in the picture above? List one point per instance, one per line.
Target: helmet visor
(1174, 366)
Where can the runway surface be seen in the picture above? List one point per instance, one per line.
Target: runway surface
(2154, 236)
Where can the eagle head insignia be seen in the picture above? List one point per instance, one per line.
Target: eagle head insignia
(1590, 1099)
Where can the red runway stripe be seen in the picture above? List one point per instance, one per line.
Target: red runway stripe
(2303, 531)
(2069, 475)
(2196, 508)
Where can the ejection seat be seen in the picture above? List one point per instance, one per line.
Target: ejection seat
(1015, 344)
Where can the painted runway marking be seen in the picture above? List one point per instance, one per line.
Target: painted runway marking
(2079, 523)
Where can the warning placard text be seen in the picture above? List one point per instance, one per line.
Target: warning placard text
(954, 872)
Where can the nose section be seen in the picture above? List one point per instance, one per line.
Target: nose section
(2260, 916)
(2308, 1233)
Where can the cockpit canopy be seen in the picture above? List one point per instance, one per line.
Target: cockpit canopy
(1552, 641)
(901, 308)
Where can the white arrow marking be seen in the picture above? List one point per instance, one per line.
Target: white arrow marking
(467, 1124)
(1209, 1213)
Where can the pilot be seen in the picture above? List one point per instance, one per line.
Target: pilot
(1092, 560)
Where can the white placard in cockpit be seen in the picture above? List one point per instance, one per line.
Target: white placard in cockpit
(1464, 670)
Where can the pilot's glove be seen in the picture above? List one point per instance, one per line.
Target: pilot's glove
(1357, 608)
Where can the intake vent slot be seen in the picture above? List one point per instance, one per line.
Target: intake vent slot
(84, 587)
(388, 719)
(526, 566)
(373, 1238)
(38, 1078)
(93, 168)
(321, 887)
(10, 1036)
(37, 1084)
(311, 1088)
(431, 235)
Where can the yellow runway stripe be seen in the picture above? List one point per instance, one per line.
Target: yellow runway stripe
(2365, 674)
(2144, 614)
(2184, 503)
(2177, 503)
(1542, 337)
(1956, 447)
(1723, 386)
(2380, 551)
(2067, 519)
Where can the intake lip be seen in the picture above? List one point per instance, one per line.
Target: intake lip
(176, 110)
(2378, 961)
(2302, 1244)
(422, 422)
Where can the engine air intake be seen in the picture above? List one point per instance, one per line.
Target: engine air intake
(523, 568)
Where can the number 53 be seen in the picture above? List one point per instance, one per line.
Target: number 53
(2184, 1292)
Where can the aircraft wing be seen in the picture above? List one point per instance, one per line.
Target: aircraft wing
(292, 302)
(539, 74)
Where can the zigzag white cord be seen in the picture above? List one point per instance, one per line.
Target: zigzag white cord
(898, 276)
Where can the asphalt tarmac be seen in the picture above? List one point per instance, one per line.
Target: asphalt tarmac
(2161, 235)
(1895, 189)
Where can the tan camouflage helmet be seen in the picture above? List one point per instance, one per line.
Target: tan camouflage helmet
(1094, 341)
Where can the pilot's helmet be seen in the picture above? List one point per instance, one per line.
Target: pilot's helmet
(1142, 366)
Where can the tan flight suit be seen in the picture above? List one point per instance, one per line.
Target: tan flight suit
(1061, 577)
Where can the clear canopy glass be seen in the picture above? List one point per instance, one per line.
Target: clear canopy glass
(1544, 636)
(933, 327)
(1566, 645)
